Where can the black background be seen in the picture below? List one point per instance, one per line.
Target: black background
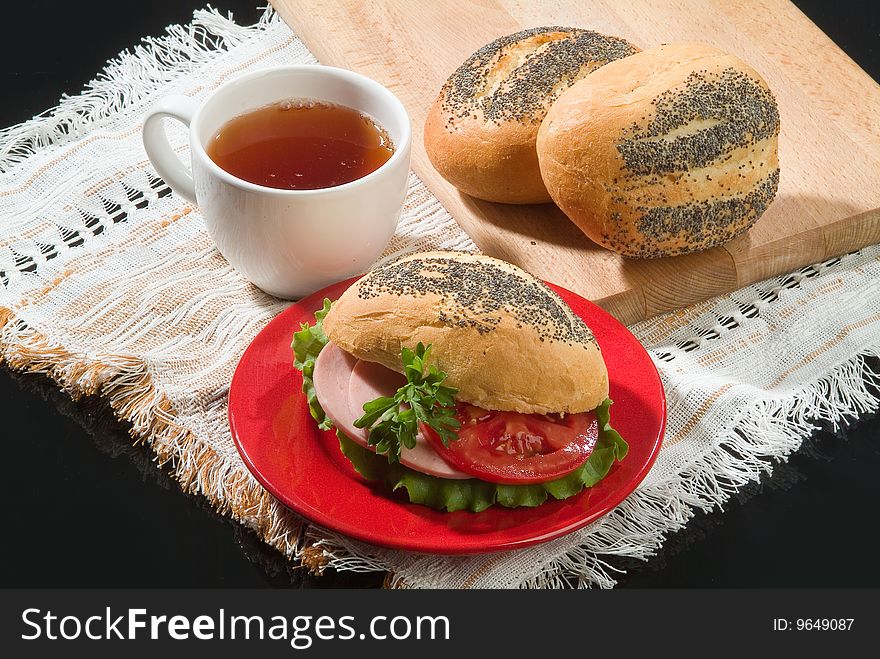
(85, 508)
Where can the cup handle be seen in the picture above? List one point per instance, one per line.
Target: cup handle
(159, 151)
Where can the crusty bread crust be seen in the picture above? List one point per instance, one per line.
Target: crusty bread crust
(505, 340)
(669, 151)
(481, 130)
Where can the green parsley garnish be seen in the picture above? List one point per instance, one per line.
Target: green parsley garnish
(393, 420)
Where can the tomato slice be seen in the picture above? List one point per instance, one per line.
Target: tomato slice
(514, 448)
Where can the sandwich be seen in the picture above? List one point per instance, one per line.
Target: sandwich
(460, 381)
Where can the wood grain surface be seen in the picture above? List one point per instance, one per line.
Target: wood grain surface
(829, 189)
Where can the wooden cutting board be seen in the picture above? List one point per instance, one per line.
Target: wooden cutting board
(829, 189)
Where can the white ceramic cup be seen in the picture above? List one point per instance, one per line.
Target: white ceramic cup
(287, 242)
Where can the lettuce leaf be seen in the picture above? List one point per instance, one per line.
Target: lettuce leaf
(443, 493)
(307, 345)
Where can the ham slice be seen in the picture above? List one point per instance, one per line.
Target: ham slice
(344, 383)
(331, 377)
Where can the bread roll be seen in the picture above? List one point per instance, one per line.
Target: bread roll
(480, 132)
(671, 150)
(505, 340)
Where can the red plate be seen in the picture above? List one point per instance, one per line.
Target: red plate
(304, 468)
